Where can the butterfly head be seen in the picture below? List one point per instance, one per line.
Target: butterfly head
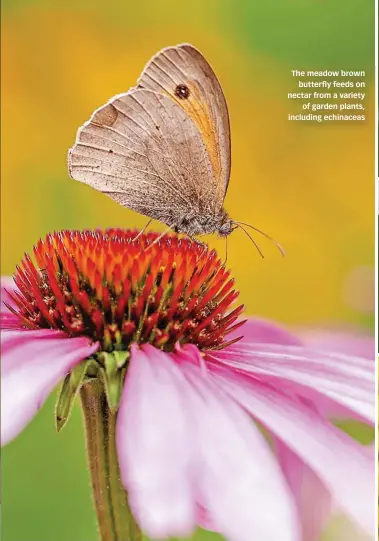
(226, 224)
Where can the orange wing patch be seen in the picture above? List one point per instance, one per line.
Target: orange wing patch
(198, 111)
(182, 73)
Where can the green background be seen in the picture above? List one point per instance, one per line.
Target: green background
(310, 186)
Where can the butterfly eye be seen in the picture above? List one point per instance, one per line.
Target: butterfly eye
(182, 92)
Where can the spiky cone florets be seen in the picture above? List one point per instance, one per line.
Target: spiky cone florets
(119, 291)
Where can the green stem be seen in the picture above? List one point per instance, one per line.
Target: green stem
(115, 520)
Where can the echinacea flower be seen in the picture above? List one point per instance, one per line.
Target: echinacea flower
(150, 322)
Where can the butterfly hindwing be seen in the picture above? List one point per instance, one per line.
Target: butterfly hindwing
(145, 152)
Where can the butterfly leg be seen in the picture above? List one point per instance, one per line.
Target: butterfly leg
(143, 230)
(196, 241)
(226, 252)
(158, 238)
(200, 244)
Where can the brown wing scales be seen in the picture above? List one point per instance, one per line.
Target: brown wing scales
(156, 172)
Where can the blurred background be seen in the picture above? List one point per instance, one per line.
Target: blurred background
(311, 186)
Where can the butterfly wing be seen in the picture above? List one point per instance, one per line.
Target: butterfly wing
(143, 150)
(170, 72)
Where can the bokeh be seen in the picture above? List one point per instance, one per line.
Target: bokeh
(311, 186)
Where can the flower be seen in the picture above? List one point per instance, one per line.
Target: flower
(153, 316)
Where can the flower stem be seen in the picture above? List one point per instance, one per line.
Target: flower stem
(115, 520)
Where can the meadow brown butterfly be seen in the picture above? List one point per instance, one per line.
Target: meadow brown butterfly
(163, 148)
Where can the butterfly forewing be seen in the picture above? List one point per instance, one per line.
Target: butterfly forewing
(144, 151)
(183, 73)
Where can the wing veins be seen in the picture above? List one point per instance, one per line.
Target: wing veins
(175, 66)
(144, 142)
(156, 82)
(178, 166)
(132, 119)
(140, 181)
(122, 165)
(110, 140)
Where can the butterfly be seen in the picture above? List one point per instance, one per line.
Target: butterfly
(163, 148)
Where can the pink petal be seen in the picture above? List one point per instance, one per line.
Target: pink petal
(343, 465)
(238, 480)
(203, 519)
(155, 445)
(346, 381)
(33, 362)
(350, 343)
(8, 320)
(312, 497)
(265, 332)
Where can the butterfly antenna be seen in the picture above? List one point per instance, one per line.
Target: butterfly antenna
(279, 247)
(251, 238)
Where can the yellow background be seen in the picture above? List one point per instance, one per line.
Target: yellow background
(311, 186)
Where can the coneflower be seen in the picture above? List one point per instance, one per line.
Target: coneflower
(145, 331)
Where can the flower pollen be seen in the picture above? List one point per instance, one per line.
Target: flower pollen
(120, 290)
